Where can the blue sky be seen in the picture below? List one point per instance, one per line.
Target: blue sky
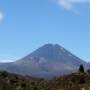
(26, 25)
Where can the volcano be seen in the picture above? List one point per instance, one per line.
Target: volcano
(47, 61)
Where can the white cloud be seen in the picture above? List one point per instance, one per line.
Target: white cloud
(68, 4)
(5, 60)
(65, 4)
(1, 16)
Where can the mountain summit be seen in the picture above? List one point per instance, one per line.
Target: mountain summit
(53, 53)
(48, 61)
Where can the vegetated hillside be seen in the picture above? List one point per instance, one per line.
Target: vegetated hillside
(74, 81)
(46, 62)
(10, 81)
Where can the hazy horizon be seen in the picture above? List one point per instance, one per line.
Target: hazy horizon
(26, 25)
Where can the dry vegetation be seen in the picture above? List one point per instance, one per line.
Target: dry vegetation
(75, 81)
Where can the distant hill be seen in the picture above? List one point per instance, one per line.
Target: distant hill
(46, 62)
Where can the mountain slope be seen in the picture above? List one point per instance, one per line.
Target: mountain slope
(48, 61)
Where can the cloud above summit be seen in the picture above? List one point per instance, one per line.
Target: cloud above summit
(68, 4)
(1, 16)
